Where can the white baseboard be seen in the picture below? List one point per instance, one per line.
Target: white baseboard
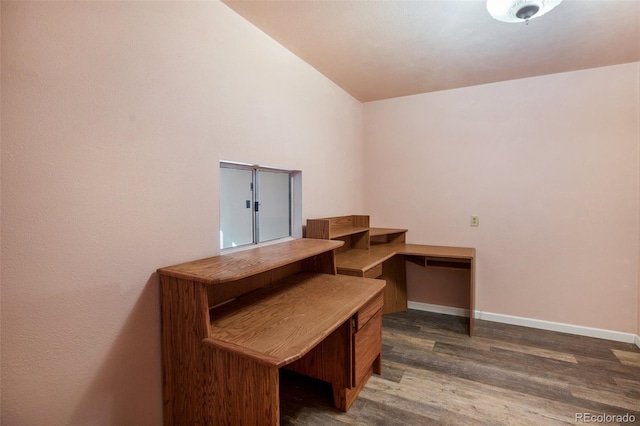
(617, 336)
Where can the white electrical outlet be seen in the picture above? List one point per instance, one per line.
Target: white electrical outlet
(475, 221)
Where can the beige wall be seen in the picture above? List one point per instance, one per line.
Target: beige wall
(114, 118)
(550, 166)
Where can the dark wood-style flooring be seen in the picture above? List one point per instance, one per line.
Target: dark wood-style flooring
(434, 373)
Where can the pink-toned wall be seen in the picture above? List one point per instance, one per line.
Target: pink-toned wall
(550, 166)
(114, 118)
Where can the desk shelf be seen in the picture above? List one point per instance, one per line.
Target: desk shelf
(344, 231)
(358, 262)
(353, 230)
(387, 235)
(437, 262)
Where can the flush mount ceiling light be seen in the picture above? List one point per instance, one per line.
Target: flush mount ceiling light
(519, 10)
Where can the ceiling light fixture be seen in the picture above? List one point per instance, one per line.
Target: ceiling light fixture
(519, 10)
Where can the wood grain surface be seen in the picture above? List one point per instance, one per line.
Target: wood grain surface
(239, 265)
(284, 321)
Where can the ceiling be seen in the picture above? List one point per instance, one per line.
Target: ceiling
(384, 49)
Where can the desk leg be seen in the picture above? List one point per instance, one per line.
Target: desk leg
(377, 365)
(343, 398)
(239, 391)
(472, 295)
(331, 361)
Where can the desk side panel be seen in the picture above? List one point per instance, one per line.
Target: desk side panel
(323, 263)
(360, 221)
(317, 228)
(239, 391)
(185, 322)
(395, 292)
(330, 360)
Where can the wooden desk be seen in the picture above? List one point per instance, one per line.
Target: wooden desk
(220, 365)
(383, 256)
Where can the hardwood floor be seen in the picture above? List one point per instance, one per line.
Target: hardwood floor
(434, 373)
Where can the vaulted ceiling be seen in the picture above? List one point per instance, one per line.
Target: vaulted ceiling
(383, 49)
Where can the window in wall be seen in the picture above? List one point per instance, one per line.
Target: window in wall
(257, 204)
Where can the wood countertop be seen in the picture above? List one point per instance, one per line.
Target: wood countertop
(363, 260)
(238, 265)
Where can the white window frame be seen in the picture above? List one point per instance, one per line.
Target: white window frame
(295, 204)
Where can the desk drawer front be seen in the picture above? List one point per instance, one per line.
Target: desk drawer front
(367, 345)
(374, 272)
(368, 310)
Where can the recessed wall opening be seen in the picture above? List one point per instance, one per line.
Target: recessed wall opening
(258, 204)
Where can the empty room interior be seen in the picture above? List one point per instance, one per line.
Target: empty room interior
(320, 212)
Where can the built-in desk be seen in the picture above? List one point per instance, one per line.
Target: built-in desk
(444, 257)
(382, 252)
(230, 322)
